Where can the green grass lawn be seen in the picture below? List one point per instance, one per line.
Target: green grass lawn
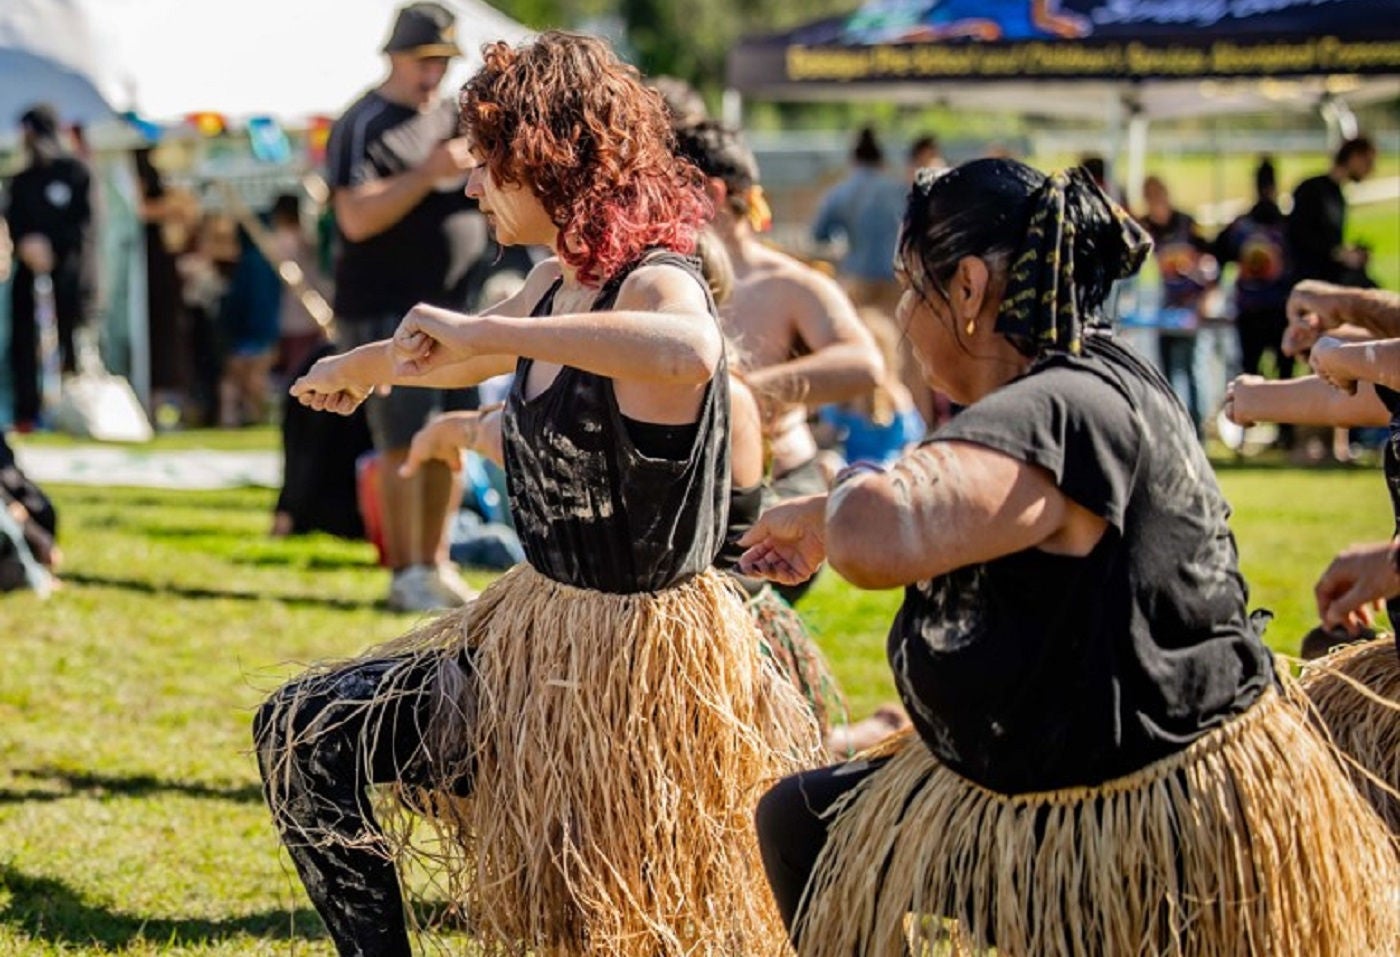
(130, 820)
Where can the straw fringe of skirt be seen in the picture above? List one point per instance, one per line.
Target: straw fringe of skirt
(1251, 841)
(1356, 694)
(616, 746)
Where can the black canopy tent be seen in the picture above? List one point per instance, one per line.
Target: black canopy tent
(906, 48)
(1126, 62)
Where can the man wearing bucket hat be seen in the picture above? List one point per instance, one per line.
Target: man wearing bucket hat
(408, 234)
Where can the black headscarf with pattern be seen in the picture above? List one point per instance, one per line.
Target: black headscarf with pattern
(1064, 242)
(1042, 303)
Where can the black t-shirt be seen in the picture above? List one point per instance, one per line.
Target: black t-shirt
(1178, 246)
(592, 509)
(1036, 671)
(429, 255)
(1316, 227)
(53, 199)
(1258, 241)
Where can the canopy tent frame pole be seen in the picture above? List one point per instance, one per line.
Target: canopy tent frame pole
(732, 108)
(1138, 124)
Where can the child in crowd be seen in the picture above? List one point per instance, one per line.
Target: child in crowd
(878, 426)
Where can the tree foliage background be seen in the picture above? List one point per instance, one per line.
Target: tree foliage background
(685, 39)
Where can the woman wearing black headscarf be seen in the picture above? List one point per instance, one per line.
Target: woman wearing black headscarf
(1105, 763)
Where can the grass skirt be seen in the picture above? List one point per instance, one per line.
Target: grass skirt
(787, 641)
(1249, 842)
(616, 746)
(1356, 692)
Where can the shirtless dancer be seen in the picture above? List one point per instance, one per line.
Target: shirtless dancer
(800, 341)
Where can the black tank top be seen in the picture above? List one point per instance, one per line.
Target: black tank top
(591, 509)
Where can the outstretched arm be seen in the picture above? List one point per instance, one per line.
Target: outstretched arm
(1375, 310)
(1345, 364)
(946, 505)
(660, 332)
(941, 507)
(340, 383)
(1306, 401)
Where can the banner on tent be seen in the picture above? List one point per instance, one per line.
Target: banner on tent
(1109, 60)
(893, 40)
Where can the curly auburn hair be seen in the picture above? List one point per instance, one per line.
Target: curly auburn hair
(563, 117)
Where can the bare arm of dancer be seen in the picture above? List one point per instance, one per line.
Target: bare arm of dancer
(842, 362)
(370, 208)
(746, 451)
(1345, 364)
(1306, 401)
(1355, 582)
(1376, 310)
(660, 345)
(942, 506)
(1302, 335)
(448, 435)
(340, 383)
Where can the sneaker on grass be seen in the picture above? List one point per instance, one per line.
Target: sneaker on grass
(417, 588)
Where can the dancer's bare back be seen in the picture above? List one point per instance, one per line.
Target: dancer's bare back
(800, 342)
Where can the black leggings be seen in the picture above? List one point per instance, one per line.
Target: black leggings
(316, 774)
(792, 829)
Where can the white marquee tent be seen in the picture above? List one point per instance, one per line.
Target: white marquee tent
(166, 58)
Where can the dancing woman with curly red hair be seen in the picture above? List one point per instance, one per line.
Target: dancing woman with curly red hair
(586, 740)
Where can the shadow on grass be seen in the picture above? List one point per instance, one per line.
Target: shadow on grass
(197, 593)
(315, 562)
(1271, 464)
(49, 910)
(52, 784)
(226, 500)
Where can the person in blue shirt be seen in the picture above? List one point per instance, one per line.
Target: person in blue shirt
(877, 426)
(864, 210)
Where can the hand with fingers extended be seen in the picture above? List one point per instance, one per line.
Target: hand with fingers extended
(788, 542)
(429, 338)
(1324, 359)
(448, 435)
(327, 388)
(1352, 587)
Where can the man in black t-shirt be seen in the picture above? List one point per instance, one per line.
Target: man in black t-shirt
(1317, 224)
(50, 219)
(408, 234)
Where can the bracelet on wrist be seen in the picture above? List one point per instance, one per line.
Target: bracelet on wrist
(854, 470)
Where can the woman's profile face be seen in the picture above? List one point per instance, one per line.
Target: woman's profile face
(927, 321)
(514, 212)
